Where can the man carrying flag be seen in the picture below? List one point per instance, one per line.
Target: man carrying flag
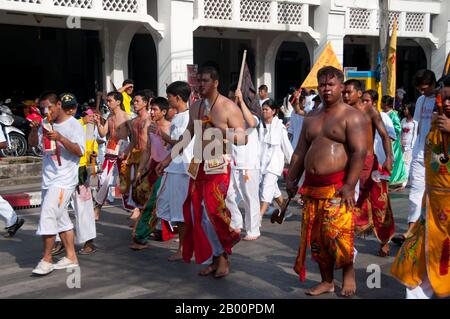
(245, 164)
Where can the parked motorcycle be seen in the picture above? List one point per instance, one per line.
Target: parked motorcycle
(15, 138)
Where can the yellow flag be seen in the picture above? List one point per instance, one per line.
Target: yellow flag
(447, 66)
(326, 58)
(392, 62)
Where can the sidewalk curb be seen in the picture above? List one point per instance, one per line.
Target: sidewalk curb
(24, 200)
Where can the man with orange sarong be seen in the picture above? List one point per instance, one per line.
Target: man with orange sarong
(423, 262)
(373, 208)
(138, 143)
(207, 220)
(331, 152)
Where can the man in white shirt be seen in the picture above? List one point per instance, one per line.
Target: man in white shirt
(425, 82)
(60, 177)
(263, 93)
(12, 222)
(175, 182)
(309, 100)
(245, 174)
(296, 123)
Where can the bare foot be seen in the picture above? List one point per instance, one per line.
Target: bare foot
(175, 257)
(349, 285)
(384, 250)
(223, 268)
(208, 270)
(97, 213)
(322, 288)
(250, 237)
(135, 215)
(136, 246)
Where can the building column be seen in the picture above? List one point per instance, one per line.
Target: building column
(441, 30)
(176, 49)
(335, 34)
(329, 21)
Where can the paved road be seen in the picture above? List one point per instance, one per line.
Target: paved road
(260, 269)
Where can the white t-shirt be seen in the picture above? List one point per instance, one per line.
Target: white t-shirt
(66, 175)
(245, 156)
(309, 103)
(177, 127)
(261, 102)
(422, 115)
(2, 136)
(287, 107)
(409, 133)
(378, 143)
(295, 128)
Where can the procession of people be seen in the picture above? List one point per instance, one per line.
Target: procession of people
(185, 165)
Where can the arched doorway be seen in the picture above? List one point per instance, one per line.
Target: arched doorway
(292, 65)
(410, 58)
(143, 63)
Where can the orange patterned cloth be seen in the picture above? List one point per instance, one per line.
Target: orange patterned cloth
(210, 190)
(427, 251)
(327, 225)
(373, 208)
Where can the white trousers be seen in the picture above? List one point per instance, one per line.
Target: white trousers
(245, 190)
(84, 215)
(7, 213)
(417, 181)
(423, 291)
(216, 246)
(269, 188)
(171, 196)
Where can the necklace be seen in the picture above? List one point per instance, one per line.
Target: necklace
(208, 109)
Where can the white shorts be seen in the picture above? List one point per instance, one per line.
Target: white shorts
(171, 197)
(269, 188)
(54, 217)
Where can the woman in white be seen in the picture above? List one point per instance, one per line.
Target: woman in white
(276, 149)
(409, 134)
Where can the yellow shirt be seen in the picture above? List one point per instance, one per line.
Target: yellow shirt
(127, 102)
(91, 146)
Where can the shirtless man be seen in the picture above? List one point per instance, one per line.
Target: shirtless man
(331, 151)
(366, 211)
(138, 144)
(207, 225)
(154, 153)
(116, 130)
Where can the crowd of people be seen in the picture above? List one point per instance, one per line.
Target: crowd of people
(185, 168)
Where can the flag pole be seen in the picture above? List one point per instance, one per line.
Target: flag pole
(244, 56)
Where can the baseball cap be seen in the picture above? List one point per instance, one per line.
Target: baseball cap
(68, 100)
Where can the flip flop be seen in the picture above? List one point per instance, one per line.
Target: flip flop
(58, 250)
(82, 251)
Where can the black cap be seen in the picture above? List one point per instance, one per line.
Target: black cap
(68, 100)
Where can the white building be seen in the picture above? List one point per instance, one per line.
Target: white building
(152, 41)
